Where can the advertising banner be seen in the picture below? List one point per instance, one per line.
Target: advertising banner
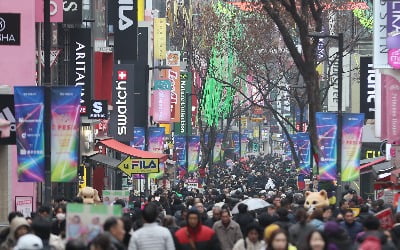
(235, 140)
(386, 218)
(393, 35)
(367, 87)
(65, 127)
(110, 196)
(72, 11)
(390, 112)
(351, 146)
(185, 125)
(161, 106)
(10, 29)
(380, 34)
(217, 147)
(160, 38)
(56, 11)
(139, 134)
(174, 77)
(85, 221)
(80, 64)
(243, 144)
(304, 153)
(121, 120)
(194, 152)
(29, 112)
(160, 174)
(327, 140)
(7, 112)
(24, 205)
(180, 151)
(156, 139)
(123, 17)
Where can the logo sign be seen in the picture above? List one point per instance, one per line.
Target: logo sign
(98, 109)
(80, 64)
(139, 166)
(121, 122)
(7, 112)
(125, 30)
(56, 11)
(10, 29)
(367, 87)
(72, 11)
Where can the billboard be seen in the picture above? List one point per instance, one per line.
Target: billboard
(121, 120)
(29, 114)
(65, 127)
(80, 73)
(367, 87)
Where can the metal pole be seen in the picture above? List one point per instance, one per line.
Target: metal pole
(240, 135)
(339, 123)
(187, 138)
(47, 82)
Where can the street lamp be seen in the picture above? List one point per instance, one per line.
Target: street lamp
(338, 37)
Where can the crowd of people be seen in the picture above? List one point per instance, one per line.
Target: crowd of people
(181, 218)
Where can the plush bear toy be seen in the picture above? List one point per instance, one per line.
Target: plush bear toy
(316, 200)
(89, 195)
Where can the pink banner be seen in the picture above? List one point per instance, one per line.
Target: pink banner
(394, 58)
(161, 106)
(56, 11)
(391, 104)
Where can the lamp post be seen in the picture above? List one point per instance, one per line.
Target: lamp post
(339, 38)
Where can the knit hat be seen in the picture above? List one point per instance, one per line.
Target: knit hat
(269, 230)
(29, 242)
(332, 228)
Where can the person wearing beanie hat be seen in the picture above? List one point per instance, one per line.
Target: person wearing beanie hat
(195, 235)
(29, 242)
(19, 226)
(269, 230)
(337, 237)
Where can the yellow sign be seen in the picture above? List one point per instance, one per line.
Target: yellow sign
(139, 166)
(160, 38)
(140, 10)
(243, 120)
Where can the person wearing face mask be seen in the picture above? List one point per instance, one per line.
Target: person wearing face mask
(58, 226)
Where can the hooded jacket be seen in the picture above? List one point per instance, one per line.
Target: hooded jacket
(15, 224)
(202, 237)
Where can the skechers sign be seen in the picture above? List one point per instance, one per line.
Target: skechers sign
(125, 28)
(98, 109)
(10, 29)
(121, 121)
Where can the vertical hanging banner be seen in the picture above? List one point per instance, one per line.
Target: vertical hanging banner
(367, 87)
(156, 139)
(80, 73)
(194, 150)
(29, 114)
(173, 60)
(138, 138)
(72, 11)
(393, 35)
(235, 140)
(123, 15)
(243, 144)
(327, 141)
(180, 151)
(185, 123)
(351, 146)
(380, 34)
(217, 148)
(160, 38)
(7, 112)
(390, 80)
(121, 120)
(161, 101)
(65, 124)
(304, 153)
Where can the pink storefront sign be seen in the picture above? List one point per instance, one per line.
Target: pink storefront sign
(394, 58)
(161, 106)
(391, 106)
(56, 11)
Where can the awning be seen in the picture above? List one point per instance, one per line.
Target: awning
(106, 160)
(382, 167)
(373, 162)
(128, 150)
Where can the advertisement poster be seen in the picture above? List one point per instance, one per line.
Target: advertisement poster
(351, 146)
(180, 151)
(304, 153)
(7, 112)
(29, 112)
(110, 196)
(390, 79)
(194, 151)
(243, 144)
(156, 139)
(161, 102)
(138, 138)
(235, 140)
(218, 147)
(24, 205)
(327, 140)
(85, 221)
(65, 124)
(386, 218)
(160, 174)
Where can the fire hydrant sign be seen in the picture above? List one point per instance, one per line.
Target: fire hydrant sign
(139, 166)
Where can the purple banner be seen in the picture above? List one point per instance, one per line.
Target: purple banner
(393, 22)
(304, 153)
(65, 124)
(180, 151)
(29, 112)
(156, 139)
(194, 150)
(235, 139)
(138, 138)
(327, 141)
(351, 146)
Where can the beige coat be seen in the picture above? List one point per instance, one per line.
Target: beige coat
(229, 235)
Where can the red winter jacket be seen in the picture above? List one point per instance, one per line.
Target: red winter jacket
(203, 238)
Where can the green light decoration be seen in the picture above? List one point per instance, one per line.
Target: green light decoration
(365, 16)
(218, 97)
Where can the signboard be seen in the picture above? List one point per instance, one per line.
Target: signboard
(385, 218)
(98, 109)
(139, 166)
(72, 11)
(380, 35)
(160, 38)
(192, 183)
(24, 205)
(7, 112)
(367, 87)
(10, 29)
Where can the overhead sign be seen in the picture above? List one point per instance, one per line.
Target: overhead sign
(98, 109)
(72, 11)
(10, 29)
(7, 112)
(139, 166)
